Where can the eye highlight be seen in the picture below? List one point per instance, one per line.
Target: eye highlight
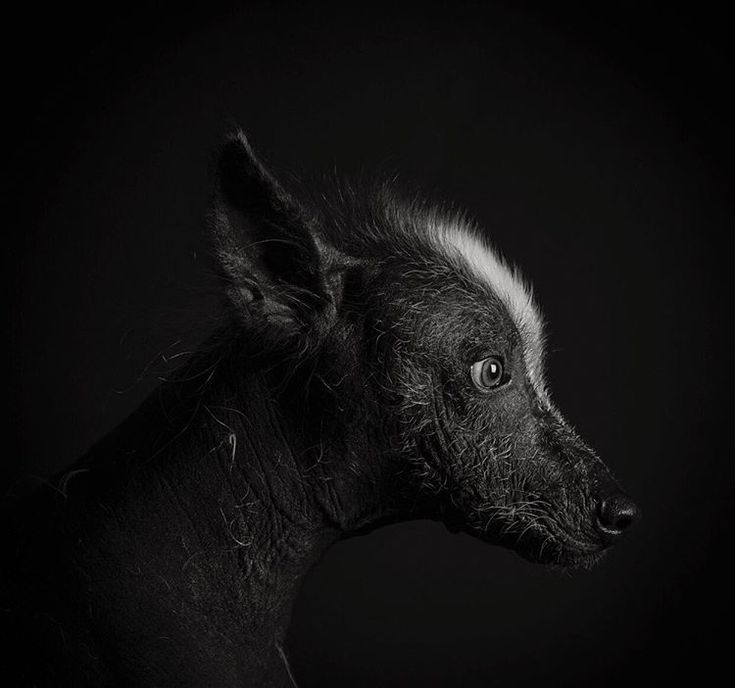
(488, 373)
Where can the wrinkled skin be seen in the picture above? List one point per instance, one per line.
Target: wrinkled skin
(335, 398)
(505, 466)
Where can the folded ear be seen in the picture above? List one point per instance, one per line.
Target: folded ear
(281, 278)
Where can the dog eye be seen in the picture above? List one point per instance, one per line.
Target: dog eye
(487, 373)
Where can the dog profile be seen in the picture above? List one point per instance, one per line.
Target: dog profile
(378, 361)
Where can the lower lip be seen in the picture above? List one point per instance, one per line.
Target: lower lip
(587, 547)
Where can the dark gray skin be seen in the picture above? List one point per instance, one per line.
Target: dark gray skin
(337, 397)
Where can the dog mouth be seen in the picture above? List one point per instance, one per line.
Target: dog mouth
(537, 543)
(555, 548)
(563, 552)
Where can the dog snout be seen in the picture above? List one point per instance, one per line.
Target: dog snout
(616, 515)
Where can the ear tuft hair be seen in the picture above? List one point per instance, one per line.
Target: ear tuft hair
(281, 278)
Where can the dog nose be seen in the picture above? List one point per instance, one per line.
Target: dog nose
(616, 514)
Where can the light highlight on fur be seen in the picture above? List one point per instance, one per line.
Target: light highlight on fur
(459, 240)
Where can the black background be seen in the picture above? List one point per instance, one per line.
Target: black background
(595, 148)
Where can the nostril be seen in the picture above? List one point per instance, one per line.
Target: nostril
(615, 515)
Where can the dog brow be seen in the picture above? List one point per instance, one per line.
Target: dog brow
(459, 241)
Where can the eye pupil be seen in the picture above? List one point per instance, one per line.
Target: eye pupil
(490, 372)
(487, 373)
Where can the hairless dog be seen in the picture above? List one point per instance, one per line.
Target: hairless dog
(377, 361)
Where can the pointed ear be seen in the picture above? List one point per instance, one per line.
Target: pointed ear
(281, 277)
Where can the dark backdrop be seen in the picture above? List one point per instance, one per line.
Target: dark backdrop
(595, 149)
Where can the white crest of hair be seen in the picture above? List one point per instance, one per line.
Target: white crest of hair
(461, 240)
